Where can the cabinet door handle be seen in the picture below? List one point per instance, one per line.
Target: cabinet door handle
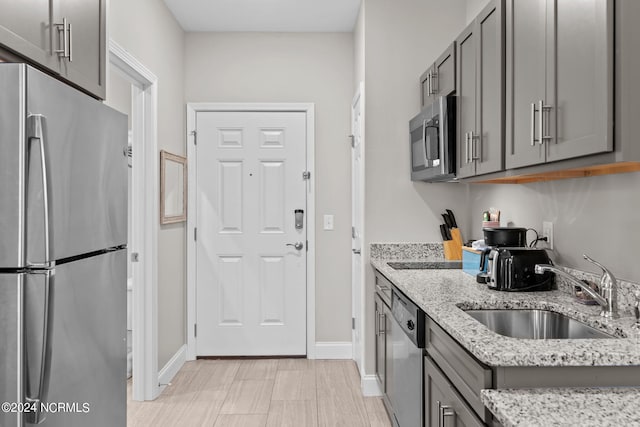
(377, 325)
(472, 141)
(542, 109)
(540, 122)
(382, 328)
(433, 78)
(62, 28)
(70, 42)
(445, 411)
(533, 124)
(466, 147)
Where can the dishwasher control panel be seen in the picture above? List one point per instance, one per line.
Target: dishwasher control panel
(409, 316)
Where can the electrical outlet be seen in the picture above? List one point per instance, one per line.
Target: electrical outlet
(547, 231)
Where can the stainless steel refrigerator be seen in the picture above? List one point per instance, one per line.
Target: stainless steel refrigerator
(63, 235)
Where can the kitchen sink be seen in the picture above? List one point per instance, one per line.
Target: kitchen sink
(535, 324)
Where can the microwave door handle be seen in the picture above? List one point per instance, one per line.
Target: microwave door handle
(424, 142)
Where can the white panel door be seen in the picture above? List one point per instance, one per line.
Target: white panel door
(250, 276)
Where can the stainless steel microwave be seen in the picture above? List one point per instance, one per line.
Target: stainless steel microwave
(433, 141)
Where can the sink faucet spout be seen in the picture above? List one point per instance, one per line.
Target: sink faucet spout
(608, 306)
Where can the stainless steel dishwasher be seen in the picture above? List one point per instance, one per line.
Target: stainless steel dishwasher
(404, 385)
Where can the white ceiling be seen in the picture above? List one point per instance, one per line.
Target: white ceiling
(266, 15)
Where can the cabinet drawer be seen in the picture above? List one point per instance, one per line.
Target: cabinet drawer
(467, 375)
(383, 288)
(442, 402)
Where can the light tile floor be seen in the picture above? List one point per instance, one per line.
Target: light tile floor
(261, 393)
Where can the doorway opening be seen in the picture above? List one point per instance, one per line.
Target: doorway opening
(134, 79)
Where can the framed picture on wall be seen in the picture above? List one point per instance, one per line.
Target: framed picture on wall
(173, 188)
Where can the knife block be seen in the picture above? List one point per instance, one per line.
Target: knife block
(452, 250)
(457, 237)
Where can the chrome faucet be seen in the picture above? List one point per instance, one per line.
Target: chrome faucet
(607, 296)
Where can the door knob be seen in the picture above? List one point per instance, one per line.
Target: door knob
(356, 251)
(297, 245)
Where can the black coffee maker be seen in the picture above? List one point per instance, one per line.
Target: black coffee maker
(499, 237)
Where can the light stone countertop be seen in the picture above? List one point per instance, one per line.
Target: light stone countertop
(564, 406)
(442, 293)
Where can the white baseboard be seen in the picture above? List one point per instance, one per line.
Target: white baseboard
(172, 367)
(334, 350)
(370, 386)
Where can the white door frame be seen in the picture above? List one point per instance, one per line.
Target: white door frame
(309, 110)
(358, 300)
(145, 207)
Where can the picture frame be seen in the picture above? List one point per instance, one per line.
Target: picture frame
(173, 188)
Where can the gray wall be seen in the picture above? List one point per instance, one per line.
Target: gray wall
(295, 67)
(474, 7)
(400, 42)
(147, 30)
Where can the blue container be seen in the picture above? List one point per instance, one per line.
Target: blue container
(471, 261)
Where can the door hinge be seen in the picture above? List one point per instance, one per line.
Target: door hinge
(195, 137)
(353, 232)
(195, 233)
(306, 175)
(353, 323)
(353, 140)
(135, 257)
(307, 245)
(195, 329)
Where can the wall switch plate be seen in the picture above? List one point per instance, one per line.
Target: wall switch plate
(328, 222)
(547, 231)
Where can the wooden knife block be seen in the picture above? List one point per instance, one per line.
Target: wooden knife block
(453, 248)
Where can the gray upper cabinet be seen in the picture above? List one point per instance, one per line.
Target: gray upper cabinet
(581, 94)
(85, 64)
(66, 37)
(440, 78)
(26, 29)
(480, 91)
(559, 71)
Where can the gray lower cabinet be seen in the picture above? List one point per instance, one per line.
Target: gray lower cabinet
(65, 37)
(480, 90)
(440, 78)
(559, 80)
(380, 327)
(443, 405)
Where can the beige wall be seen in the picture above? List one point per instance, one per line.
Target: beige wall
(119, 94)
(295, 67)
(358, 48)
(400, 42)
(147, 30)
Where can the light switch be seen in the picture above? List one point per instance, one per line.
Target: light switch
(328, 222)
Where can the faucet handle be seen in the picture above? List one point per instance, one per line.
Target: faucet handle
(607, 279)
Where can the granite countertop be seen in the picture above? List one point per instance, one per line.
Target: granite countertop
(443, 294)
(564, 406)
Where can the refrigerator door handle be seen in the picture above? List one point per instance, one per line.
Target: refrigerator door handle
(37, 130)
(35, 398)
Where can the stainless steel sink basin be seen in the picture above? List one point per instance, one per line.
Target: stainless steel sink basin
(535, 324)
